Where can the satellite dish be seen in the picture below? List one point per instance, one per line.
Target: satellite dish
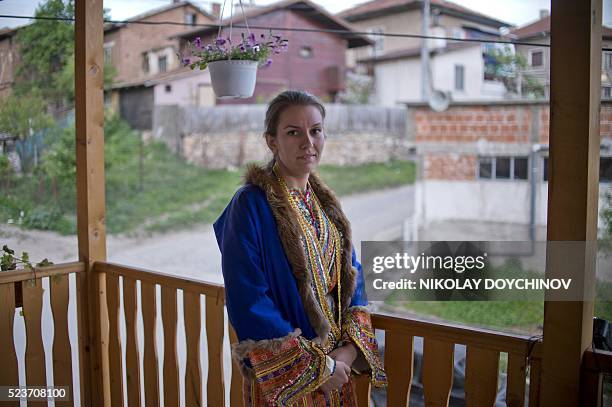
(439, 100)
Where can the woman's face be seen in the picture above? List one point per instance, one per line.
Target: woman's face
(299, 140)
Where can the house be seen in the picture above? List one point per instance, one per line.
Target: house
(141, 51)
(315, 60)
(8, 60)
(456, 67)
(538, 58)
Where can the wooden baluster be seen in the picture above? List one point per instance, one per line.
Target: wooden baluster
(114, 345)
(515, 377)
(151, 368)
(236, 398)
(132, 362)
(193, 370)
(398, 366)
(535, 371)
(9, 375)
(437, 371)
(62, 355)
(35, 353)
(215, 387)
(481, 376)
(171, 376)
(363, 386)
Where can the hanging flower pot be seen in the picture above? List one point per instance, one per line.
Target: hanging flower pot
(233, 78)
(233, 67)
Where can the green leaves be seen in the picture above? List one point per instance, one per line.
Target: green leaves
(9, 261)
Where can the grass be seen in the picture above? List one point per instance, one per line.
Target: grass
(525, 316)
(157, 193)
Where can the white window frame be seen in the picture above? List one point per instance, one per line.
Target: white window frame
(494, 168)
(108, 52)
(462, 89)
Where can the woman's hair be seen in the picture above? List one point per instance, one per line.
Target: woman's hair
(287, 99)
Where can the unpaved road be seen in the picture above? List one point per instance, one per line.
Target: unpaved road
(377, 215)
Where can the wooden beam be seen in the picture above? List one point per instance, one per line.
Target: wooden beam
(89, 103)
(572, 191)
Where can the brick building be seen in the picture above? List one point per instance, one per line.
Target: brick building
(489, 162)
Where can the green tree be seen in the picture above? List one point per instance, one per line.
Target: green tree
(24, 115)
(44, 48)
(509, 67)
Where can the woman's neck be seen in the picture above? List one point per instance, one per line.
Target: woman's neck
(292, 181)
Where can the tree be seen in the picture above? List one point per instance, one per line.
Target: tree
(24, 115)
(359, 89)
(509, 67)
(45, 47)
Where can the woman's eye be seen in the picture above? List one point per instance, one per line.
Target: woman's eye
(316, 132)
(292, 133)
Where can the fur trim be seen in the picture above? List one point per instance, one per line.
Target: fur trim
(241, 350)
(289, 233)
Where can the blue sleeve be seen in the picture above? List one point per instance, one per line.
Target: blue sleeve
(359, 297)
(251, 310)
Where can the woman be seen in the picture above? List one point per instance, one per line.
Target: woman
(294, 290)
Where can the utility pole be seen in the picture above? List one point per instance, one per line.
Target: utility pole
(425, 79)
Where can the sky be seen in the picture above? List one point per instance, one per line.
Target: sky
(517, 12)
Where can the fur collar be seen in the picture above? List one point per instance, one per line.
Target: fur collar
(289, 233)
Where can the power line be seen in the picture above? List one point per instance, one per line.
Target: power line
(311, 30)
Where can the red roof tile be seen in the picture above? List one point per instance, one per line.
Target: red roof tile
(380, 5)
(541, 27)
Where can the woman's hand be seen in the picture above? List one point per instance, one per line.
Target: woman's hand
(340, 377)
(346, 354)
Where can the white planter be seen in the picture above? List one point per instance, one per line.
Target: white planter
(233, 78)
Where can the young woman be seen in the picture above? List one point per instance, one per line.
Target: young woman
(294, 289)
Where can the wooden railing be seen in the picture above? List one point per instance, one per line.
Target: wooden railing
(125, 285)
(27, 287)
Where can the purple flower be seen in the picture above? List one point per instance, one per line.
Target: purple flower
(197, 42)
(268, 63)
(185, 61)
(242, 48)
(251, 39)
(220, 42)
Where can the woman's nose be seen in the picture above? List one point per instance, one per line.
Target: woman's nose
(308, 141)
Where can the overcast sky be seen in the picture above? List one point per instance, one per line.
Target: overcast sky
(517, 12)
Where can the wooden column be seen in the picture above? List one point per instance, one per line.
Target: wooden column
(572, 190)
(89, 103)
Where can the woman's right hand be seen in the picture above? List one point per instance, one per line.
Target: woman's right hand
(340, 377)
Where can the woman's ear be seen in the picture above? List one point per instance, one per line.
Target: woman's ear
(271, 142)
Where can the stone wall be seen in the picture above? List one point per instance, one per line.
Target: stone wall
(233, 136)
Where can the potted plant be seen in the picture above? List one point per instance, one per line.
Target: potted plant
(233, 67)
(9, 262)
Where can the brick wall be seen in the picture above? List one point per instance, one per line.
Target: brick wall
(451, 141)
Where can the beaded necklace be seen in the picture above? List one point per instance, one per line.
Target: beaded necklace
(314, 251)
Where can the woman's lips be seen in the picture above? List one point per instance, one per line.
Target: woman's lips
(309, 157)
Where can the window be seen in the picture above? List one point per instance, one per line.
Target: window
(459, 77)
(145, 63)
(545, 169)
(168, 88)
(485, 168)
(606, 61)
(521, 168)
(537, 58)
(377, 39)
(606, 92)
(162, 64)
(190, 18)
(108, 54)
(457, 32)
(305, 51)
(107, 99)
(516, 168)
(605, 169)
(502, 168)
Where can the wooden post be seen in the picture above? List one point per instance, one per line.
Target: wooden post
(89, 102)
(572, 189)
